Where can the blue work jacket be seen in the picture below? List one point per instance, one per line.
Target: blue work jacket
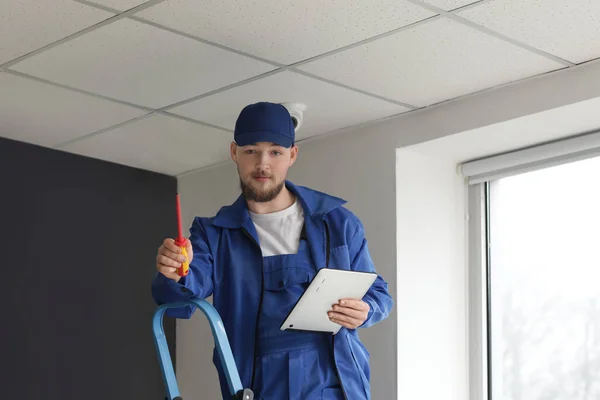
(227, 264)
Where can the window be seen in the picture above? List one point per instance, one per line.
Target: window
(534, 278)
(544, 283)
(534, 272)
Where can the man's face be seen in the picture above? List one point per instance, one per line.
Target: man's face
(262, 169)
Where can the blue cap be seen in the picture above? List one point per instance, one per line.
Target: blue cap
(264, 122)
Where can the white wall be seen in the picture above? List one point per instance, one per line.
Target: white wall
(432, 348)
(359, 164)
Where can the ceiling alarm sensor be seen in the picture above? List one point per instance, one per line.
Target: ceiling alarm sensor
(296, 111)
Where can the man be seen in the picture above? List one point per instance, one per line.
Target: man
(258, 255)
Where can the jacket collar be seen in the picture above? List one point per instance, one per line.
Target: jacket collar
(315, 204)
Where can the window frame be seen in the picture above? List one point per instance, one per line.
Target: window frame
(479, 329)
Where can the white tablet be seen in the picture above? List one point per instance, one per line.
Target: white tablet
(325, 290)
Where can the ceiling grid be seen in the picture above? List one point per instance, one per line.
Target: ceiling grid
(170, 64)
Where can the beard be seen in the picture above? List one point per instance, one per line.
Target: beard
(258, 195)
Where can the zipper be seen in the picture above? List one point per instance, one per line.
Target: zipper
(262, 283)
(328, 246)
(327, 250)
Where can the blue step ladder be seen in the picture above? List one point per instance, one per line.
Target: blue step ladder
(222, 344)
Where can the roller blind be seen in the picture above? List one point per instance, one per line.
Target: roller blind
(533, 158)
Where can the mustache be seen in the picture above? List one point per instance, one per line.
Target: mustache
(261, 175)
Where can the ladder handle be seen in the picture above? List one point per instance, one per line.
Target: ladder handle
(219, 335)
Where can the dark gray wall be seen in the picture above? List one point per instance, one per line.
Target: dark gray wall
(78, 240)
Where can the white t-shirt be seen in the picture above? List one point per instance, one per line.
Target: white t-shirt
(279, 232)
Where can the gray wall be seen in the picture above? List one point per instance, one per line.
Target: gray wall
(364, 175)
(353, 170)
(201, 194)
(78, 240)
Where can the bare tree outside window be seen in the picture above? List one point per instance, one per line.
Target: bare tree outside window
(545, 284)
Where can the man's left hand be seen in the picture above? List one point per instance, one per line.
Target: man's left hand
(349, 313)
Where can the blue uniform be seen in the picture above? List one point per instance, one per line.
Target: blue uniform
(253, 294)
(291, 364)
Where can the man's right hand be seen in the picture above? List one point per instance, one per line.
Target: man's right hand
(170, 258)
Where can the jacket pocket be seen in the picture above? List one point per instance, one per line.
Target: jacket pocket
(287, 277)
(340, 258)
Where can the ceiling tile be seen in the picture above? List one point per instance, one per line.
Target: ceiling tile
(450, 4)
(141, 64)
(569, 29)
(285, 31)
(27, 25)
(329, 107)
(122, 5)
(157, 143)
(432, 62)
(46, 115)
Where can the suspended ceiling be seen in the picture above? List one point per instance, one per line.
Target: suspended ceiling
(158, 84)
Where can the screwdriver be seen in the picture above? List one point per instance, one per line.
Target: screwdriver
(180, 241)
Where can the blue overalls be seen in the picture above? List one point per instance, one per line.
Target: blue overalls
(295, 365)
(228, 266)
